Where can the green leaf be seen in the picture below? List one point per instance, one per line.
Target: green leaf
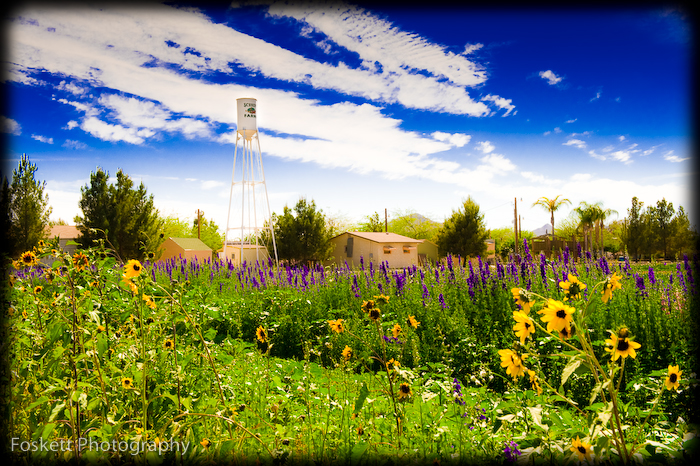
(357, 451)
(102, 345)
(48, 428)
(536, 414)
(364, 391)
(598, 387)
(569, 369)
(38, 402)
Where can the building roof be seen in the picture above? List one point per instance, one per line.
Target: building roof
(63, 232)
(190, 244)
(382, 237)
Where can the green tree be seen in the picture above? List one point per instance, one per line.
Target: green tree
(372, 224)
(683, 238)
(464, 233)
(124, 214)
(413, 225)
(588, 215)
(208, 232)
(551, 206)
(661, 216)
(633, 233)
(29, 208)
(301, 234)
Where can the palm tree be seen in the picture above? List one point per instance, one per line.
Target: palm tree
(602, 215)
(588, 215)
(551, 205)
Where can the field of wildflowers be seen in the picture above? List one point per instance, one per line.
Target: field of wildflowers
(531, 361)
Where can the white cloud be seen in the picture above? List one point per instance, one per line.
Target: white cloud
(550, 77)
(43, 139)
(670, 157)
(595, 155)
(485, 147)
(8, 125)
(622, 156)
(456, 139)
(114, 133)
(575, 142)
(581, 177)
(471, 48)
(210, 184)
(501, 103)
(572, 120)
(71, 144)
(621, 138)
(597, 96)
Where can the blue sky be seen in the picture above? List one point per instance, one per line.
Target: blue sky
(359, 108)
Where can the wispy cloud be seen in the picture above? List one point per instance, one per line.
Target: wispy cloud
(485, 147)
(43, 139)
(550, 77)
(8, 125)
(575, 142)
(669, 156)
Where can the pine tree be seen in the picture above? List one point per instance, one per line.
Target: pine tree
(28, 207)
(464, 233)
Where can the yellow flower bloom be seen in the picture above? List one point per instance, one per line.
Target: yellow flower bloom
(581, 449)
(524, 326)
(375, 313)
(381, 299)
(206, 443)
(132, 269)
(404, 391)
(132, 286)
(337, 325)
(391, 364)
(149, 301)
(621, 345)
(573, 287)
(557, 315)
(347, 353)
(101, 328)
(611, 284)
(127, 383)
(367, 305)
(38, 289)
(535, 382)
(412, 322)
(523, 298)
(396, 331)
(80, 261)
(673, 378)
(512, 361)
(28, 259)
(261, 334)
(169, 344)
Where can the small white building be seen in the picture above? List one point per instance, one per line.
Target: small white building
(64, 233)
(399, 251)
(238, 253)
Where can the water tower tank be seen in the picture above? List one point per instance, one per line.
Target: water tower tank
(247, 118)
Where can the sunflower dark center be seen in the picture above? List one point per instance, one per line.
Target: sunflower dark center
(582, 449)
(574, 289)
(622, 345)
(527, 326)
(673, 378)
(561, 313)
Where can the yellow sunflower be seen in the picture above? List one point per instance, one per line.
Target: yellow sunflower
(132, 269)
(404, 391)
(381, 299)
(206, 443)
(620, 345)
(524, 326)
(523, 298)
(337, 325)
(38, 289)
(581, 449)
(28, 259)
(535, 382)
(557, 315)
(611, 284)
(396, 331)
(375, 313)
(149, 301)
(573, 287)
(367, 305)
(412, 322)
(347, 353)
(132, 286)
(169, 344)
(261, 334)
(80, 261)
(673, 378)
(127, 383)
(513, 363)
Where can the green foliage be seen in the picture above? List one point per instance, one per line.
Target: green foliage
(464, 233)
(208, 232)
(122, 215)
(372, 224)
(413, 225)
(27, 207)
(301, 234)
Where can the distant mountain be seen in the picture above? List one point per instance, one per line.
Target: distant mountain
(544, 229)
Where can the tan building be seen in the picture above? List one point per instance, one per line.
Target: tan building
(399, 251)
(65, 233)
(251, 253)
(187, 248)
(427, 252)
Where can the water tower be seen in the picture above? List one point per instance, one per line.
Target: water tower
(248, 202)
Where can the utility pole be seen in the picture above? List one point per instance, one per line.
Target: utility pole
(386, 222)
(199, 225)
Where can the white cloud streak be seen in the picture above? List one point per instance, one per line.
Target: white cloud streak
(550, 77)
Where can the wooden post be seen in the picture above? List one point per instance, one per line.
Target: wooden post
(386, 222)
